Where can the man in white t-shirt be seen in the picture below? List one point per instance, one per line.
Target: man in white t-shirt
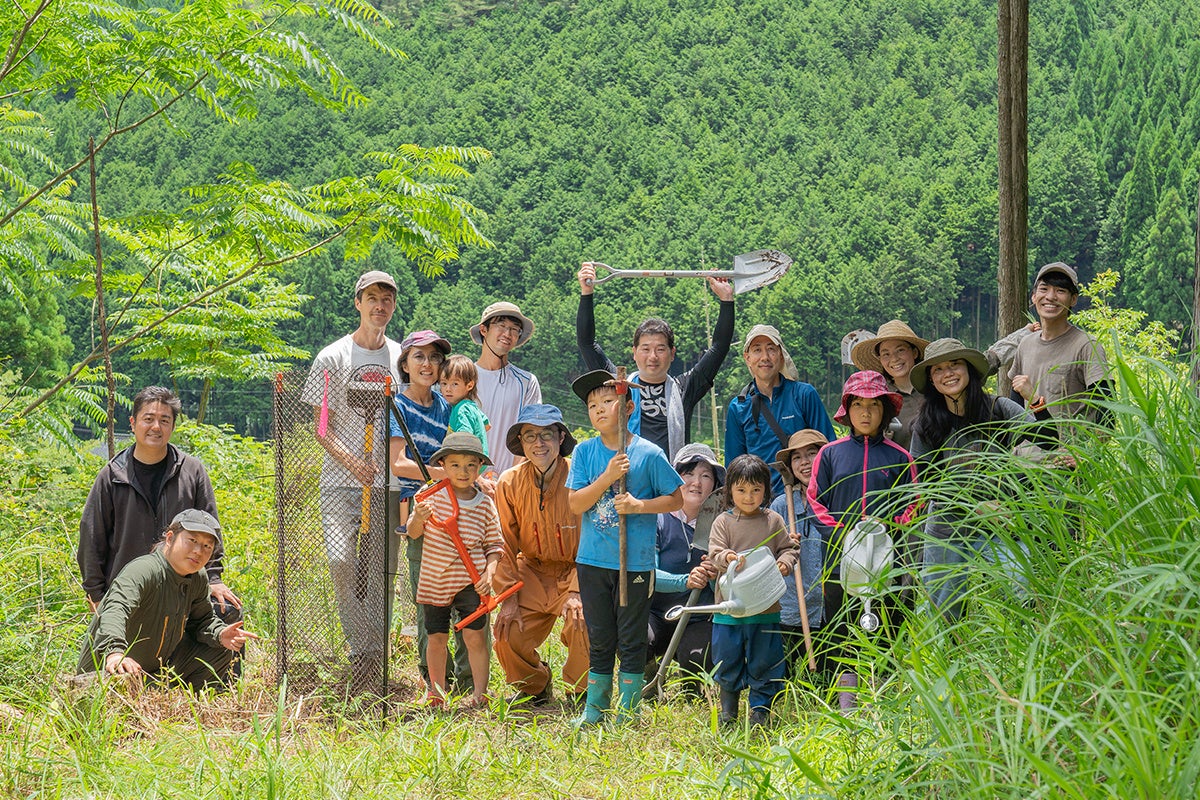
(345, 387)
(504, 389)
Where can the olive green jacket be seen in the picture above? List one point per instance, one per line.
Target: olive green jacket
(146, 612)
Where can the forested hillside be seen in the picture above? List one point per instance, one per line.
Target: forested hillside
(859, 137)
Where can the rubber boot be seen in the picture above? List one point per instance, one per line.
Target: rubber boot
(729, 707)
(599, 698)
(630, 695)
(847, 694)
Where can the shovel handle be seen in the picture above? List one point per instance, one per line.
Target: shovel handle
(613, 272)
(803, 606)
(654, 688)
(488, 604)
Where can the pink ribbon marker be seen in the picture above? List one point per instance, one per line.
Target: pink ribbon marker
(323, 420)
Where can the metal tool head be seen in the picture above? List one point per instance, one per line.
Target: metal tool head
(366, 392)
(704, 521)
(757, 269)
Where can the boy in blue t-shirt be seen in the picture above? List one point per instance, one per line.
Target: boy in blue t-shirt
(653, 487)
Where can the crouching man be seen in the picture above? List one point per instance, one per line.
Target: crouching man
(157, 617)
(541, 537)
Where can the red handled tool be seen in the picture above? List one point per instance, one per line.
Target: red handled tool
(489, 602)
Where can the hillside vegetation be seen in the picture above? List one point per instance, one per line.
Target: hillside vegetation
(858, 137)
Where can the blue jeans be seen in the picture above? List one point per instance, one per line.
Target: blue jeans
(944, 561)
(749, 656)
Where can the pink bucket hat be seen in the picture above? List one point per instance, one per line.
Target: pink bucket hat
(867, 383)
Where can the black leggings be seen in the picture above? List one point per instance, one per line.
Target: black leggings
(613, 630)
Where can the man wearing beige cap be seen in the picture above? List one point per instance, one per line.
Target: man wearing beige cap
(774, 405)
(504, 389)
(346, 386)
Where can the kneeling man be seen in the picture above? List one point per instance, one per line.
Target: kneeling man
(157, 616)
(541, 537)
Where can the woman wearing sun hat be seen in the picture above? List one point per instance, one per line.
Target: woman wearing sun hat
(896, 349)
(958, 426)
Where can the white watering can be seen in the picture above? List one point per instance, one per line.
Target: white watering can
(867, 552)
(751, 590)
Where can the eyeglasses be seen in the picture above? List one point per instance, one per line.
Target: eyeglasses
(531, 437)
(421, 358)
(511, 330)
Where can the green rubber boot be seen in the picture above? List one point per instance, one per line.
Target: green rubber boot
(630, 684)
(599, 698)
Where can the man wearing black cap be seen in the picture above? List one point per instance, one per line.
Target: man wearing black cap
(345, 387)
(157, 616)
(1062, 366)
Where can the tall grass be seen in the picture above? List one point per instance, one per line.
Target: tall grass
(1086, 688)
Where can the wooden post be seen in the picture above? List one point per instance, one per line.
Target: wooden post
(1013, 36)
(622, 531)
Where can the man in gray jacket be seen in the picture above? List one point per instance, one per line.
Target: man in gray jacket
(137, 493)
(157, 617)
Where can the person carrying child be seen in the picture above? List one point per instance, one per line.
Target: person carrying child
(796, 461)
(748, 651)
(444, 583)
(652, 487)
(851, 480)
(458, 384)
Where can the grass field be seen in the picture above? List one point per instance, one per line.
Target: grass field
(1086, 689)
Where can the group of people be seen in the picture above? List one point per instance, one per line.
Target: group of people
(497, 499)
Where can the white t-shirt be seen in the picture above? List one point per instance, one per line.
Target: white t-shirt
(502, 395)
(356, 383)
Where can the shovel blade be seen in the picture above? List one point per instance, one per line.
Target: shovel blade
(757, 269)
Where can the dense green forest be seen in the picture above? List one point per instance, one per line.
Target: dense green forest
(859, 137)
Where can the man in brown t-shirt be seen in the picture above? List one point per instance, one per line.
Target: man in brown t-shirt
(1062, 366)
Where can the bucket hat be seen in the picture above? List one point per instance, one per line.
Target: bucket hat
(867, 383)
(503, 309)
(542, 415)
(772, 333)
(798, 440)
(460, 442)
(698, 453)
(865, 354)
(946, 350)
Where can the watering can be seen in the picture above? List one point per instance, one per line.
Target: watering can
(867, 553)
(751, 590)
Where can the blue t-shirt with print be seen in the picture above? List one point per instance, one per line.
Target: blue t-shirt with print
(650, 475)
(428, 426)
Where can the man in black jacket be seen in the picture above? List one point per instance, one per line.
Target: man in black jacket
(137, 494)
(662, 410)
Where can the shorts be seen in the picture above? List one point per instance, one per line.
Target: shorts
(437, 618)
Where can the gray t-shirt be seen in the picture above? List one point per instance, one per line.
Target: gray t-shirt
(1061, 369)
(356, 382)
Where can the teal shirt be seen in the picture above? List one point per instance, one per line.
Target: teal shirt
(468, 417)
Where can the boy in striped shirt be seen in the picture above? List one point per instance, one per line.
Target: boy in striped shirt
(444, 584)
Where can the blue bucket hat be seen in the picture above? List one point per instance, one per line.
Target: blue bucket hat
(543, 416)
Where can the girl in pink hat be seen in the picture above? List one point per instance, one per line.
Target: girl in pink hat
(853, 478)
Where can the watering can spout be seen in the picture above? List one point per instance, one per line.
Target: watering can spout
(676, 612)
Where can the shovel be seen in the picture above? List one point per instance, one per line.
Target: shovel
(704, 521)
(750, 271)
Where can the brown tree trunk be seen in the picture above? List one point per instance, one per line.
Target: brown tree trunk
(102, 313)
(1013, 29)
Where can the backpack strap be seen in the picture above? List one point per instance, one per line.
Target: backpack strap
(759, 407)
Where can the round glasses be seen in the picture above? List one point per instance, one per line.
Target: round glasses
(532, 437)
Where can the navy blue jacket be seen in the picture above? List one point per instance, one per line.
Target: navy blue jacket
(850, 480)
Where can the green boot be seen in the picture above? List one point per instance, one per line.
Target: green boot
(630, 684)
(599, 698)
